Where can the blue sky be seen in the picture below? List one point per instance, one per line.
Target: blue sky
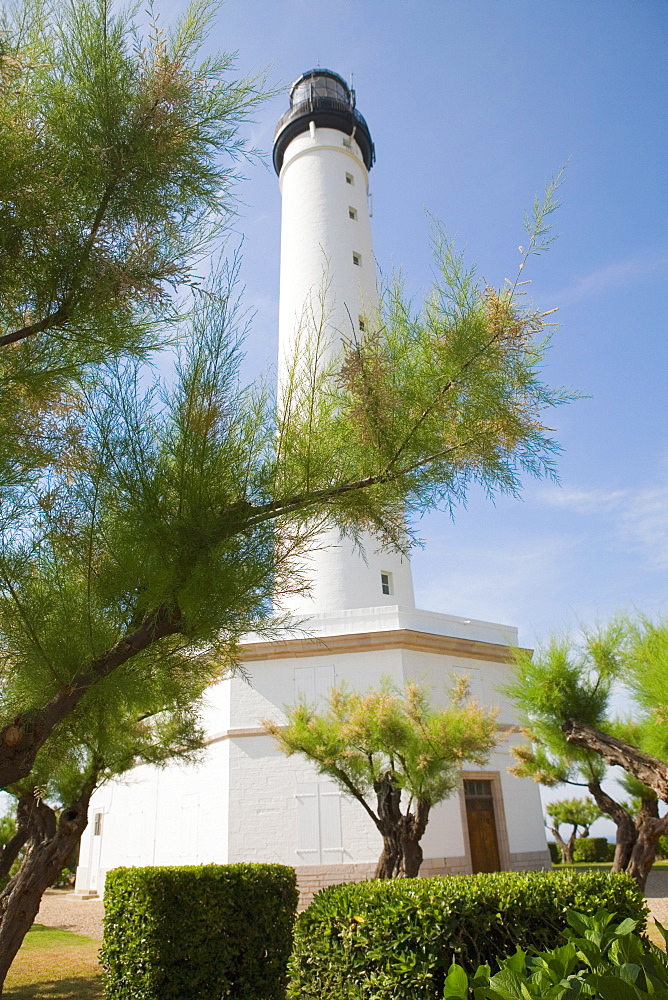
(473, 105)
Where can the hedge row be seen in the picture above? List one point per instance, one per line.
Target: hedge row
(593, 849)
(198, 932)
(585, 849)
(396, 940)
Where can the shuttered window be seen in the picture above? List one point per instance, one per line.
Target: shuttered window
(319, 823)
(312, 684)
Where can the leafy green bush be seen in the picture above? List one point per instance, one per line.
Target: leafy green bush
(662, 848)
(396, 939)
(591, 849)
(555, 852)
(611, 963)
(198, 933)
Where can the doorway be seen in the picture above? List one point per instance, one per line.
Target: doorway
(481, 821)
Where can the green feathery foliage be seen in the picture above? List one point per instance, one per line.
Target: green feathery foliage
(573, 812)
(361, 736)
(116, 177)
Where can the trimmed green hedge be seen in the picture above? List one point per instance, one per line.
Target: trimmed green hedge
(555, 852)
(396, 940)
(593, 849)
(198, 933)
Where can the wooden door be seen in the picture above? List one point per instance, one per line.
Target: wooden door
(482, 825)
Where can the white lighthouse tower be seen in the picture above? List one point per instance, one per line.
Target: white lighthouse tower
(247, 801)
(323, 153)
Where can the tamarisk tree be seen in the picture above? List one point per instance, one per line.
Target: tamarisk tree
(132, 718)
(187, 506)
(564, 696)
(394, 753)
(577, 813)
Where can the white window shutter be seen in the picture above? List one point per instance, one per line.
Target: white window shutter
(325, 679)
(305, 685)
(308, 825)
(330, 824)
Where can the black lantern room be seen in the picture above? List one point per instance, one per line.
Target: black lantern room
(323, 97)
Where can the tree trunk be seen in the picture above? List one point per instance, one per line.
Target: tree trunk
(22, 738)
(413, 825)
(627, 832)
(388, 862)
(388, 797)
(567, 847)
(650, 828)
(51, 844)
(554, 830)
(650, 770)
(12, 848)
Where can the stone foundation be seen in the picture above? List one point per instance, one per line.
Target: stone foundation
(312, 878)
(531, 861)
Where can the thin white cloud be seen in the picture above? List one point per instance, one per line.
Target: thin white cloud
(639, 516)
(643, 525)
(584, 501)
(613, 275)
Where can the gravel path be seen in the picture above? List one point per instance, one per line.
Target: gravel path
(85, 916)
(81, 916)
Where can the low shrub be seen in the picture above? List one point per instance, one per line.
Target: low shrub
(198, 933)
(592, 849)
(555, 852)
(599, 960)
(396, 940)
(662, 848)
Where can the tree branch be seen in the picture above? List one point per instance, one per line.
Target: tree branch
(21, 741)
(650, 770)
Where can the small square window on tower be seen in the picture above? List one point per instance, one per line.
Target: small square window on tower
(350, 179)
(352, 212)
(362, 324)
(357, 258)
(386, 583)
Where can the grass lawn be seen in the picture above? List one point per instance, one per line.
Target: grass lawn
(55, 965)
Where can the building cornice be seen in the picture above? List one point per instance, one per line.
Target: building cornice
(366, 642)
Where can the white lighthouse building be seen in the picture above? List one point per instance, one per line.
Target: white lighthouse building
(247, 802)
(323, 154)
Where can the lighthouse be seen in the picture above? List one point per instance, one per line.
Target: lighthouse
(246, 801)
(323, 153)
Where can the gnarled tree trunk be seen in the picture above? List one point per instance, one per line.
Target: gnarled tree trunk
(401, 856)
(565, 845)
(51, 844)
(649, 828)
(413, 825)
(627, 832)
(12, 848)
(650, 770)
(388, 798)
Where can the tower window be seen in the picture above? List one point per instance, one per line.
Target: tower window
(347, 143)
(352, 212)
(386, 583)
(350, 179)
(357, 258)
(362, 324)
